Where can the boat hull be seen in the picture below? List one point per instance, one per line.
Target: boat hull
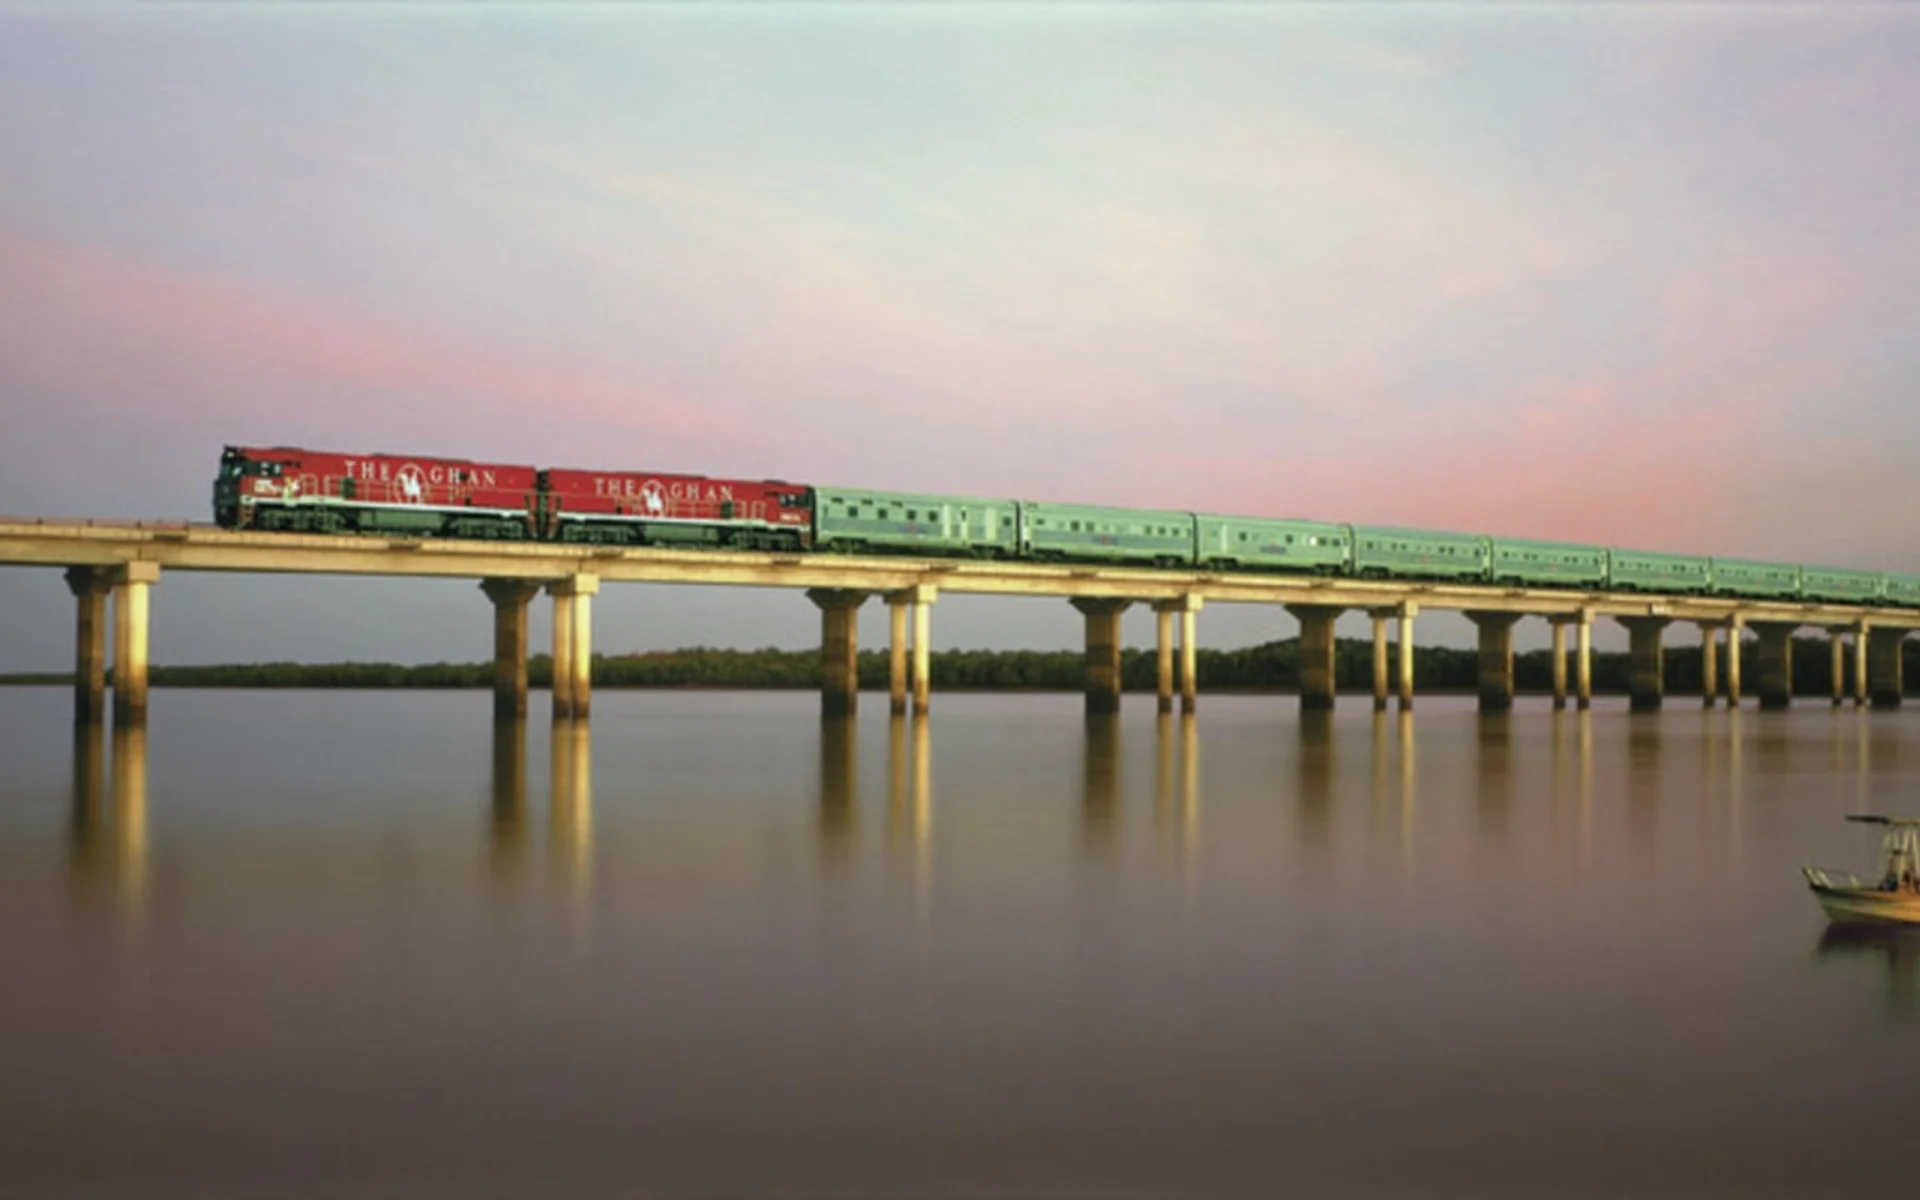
(1868, 906)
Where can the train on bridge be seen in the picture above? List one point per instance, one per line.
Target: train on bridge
(296, 490)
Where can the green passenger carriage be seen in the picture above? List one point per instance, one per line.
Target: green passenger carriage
(1094, 534)
(1842, 583)
(1266, 544)
(1903, 589)
(1552, 564)
(1762, 580)
(1652, 571)
(1380, 552)
(856, 522)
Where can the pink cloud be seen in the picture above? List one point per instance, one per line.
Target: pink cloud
(215, 344)
(1568, 463)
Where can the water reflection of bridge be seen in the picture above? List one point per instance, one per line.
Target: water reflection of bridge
(909, 811)
(1334, 777)
(109, 812)
(569, 834)
(1376, 765)
(110, 818)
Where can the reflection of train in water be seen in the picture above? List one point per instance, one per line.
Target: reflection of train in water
(323, 492)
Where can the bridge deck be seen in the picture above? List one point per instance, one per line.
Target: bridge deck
(179, 546)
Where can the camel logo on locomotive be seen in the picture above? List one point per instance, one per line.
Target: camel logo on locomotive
(409, 486)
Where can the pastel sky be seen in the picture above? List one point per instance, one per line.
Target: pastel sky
(1635, 274)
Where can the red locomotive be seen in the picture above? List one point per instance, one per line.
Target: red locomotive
(285, 488)
(637, 508)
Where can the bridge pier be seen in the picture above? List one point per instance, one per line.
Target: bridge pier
(1583, 659)
(910, 608)
(130, 595)
(1382, 677)
(1496, 659)
(510, 598)
(923, 652)
(1646, 667)
(1559, 657)
(839, 649)
(899, 610)
(1103, 652)
(1736, 624)
(1861, 631)
(1837, 662)
(573, 646)
(1886, 673)
(1405, 649)
(1317, 679)
(1709, 662)
(89, 586)
(1776, 662)
(1164, 610)
(1163, 644)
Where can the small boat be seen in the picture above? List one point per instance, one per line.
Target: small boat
(1893, 898)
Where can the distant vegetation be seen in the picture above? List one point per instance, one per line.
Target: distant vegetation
(1273, 666)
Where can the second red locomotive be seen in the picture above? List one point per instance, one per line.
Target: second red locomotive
(635, 508)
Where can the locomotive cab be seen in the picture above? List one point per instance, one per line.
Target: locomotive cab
(230, 501)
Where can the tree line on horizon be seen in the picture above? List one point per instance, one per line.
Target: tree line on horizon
(1271, 666)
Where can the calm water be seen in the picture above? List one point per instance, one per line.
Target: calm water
(340, 942)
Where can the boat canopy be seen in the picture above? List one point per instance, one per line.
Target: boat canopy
(1900, 849)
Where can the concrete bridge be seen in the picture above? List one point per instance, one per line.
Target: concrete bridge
(124, 561)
